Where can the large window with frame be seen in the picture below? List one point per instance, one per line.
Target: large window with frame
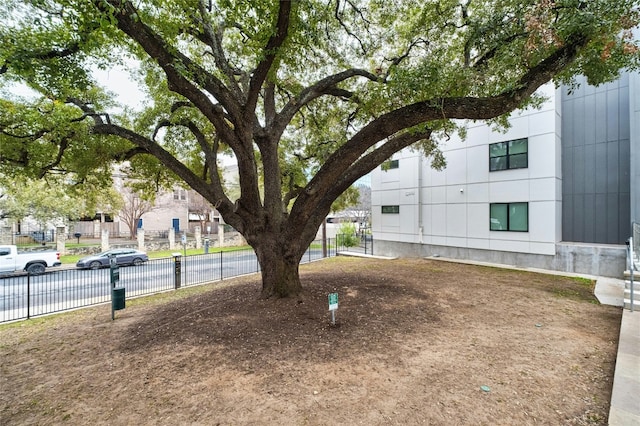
(390, 209)
(509, 217)
(509, 155)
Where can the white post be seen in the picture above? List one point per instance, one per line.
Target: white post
(198, 233)
(172, 239)
(141, 239)
(220, 235)
(6, 235)
(61, 238)
(105, 240)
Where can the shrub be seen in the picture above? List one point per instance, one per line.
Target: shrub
(347, 235)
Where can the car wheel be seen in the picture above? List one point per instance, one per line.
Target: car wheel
(95, 265)
(36, 269)
(137, 261)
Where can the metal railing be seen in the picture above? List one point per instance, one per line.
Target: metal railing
(23, 296)
(358, 243)
(635, 234)
(631, 264)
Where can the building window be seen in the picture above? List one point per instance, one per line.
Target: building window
(391, 164)
(390, 209)
(179, 194)
(509, 217)
(509, 155)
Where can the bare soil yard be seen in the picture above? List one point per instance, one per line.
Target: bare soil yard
(416, 342)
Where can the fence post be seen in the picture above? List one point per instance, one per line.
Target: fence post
(28, 295)
(177, 270)
(221, 274)
(324, 238)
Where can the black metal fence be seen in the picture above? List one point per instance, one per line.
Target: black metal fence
(24, 295)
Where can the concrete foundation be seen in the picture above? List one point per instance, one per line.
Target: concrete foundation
(597, 260)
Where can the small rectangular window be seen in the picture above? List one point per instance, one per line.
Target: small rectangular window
(509, 155)
(509, 217)
(179, 194)
(390, 209)
(391, 164)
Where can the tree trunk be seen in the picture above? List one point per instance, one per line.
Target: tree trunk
(279, 267)
(132, 230)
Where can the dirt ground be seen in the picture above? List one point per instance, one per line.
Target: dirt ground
(415, 342)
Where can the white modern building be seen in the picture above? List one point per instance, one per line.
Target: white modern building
(558, 190)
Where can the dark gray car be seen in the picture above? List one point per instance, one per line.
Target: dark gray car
(123, 256)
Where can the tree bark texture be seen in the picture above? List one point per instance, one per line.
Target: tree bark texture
(279, 265)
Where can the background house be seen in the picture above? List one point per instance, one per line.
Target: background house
(179, 209)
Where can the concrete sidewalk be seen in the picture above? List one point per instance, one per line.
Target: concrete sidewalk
(625, 397)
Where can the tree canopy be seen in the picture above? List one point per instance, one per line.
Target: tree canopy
(307, 95)
(51, 201)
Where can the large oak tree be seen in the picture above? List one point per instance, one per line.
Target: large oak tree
(308, 95)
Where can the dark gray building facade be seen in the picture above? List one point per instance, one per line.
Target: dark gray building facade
(600, 155)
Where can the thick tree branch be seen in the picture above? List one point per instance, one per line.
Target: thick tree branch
(171, 61)
(211, 160)
(210, 152)
(33, 136)
(326, 86)
(180, 104)
(269, 104)
(211, 192)
(213, 38)
(412, 115)
(62, 147)
(267, 143)
(70, 50)
(271, 49)
(359, 168)
(293, 192)
(129, 154)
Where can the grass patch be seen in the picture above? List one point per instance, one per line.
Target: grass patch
(581, 290)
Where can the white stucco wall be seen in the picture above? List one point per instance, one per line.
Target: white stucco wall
(451, 207)
(160, 218)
